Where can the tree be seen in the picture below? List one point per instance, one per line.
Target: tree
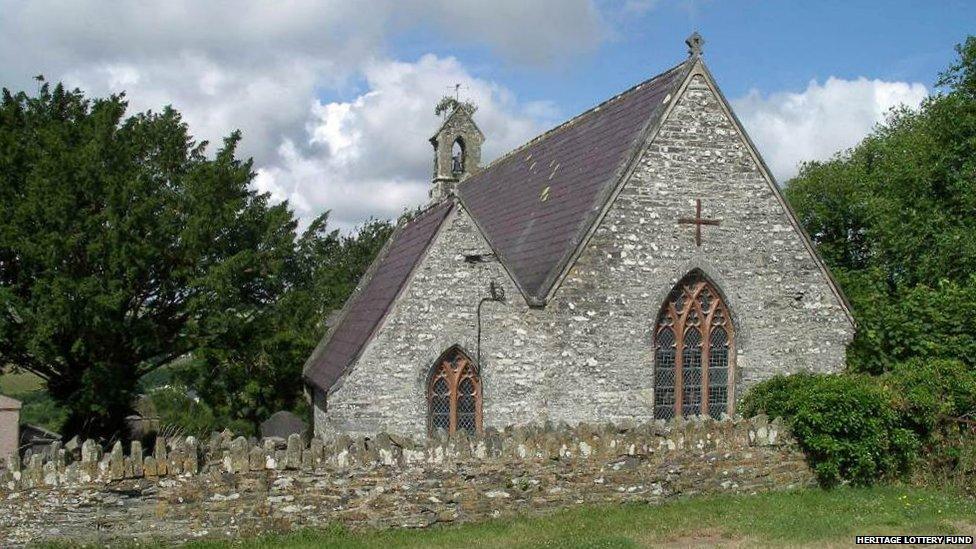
(895, 218)
(123, 247)
(256, 370)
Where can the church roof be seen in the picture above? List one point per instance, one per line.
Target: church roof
(373, 297)
(536, 204)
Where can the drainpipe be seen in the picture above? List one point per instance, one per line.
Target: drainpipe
(495, 293)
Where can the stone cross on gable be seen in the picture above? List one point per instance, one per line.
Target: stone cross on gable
(698, 221)
(695, 43)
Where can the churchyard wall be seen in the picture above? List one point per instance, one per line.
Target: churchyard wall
(230, 486)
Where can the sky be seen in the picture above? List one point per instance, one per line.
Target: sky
(335, 98)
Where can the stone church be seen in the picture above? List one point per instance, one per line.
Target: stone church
(636, 262)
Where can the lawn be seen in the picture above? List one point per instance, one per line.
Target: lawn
(39, 408)
(19, 384)
(800, 518)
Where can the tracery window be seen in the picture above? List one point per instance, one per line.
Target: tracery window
(692, 346)
(454, 394)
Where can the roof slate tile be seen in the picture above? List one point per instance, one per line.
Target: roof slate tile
(578, 162)
(369, 304)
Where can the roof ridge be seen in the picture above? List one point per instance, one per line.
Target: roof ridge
(572, 120)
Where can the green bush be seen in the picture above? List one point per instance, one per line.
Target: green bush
(847, 425)
(937, 400)
(930, 393)
(922, 322)
(178, 413)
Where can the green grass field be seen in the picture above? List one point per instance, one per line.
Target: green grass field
(39, 408)
(19, 384)
(814, 518)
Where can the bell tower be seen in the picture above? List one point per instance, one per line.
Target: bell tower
(457, 147)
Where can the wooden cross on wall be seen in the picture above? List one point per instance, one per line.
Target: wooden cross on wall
(698, 221)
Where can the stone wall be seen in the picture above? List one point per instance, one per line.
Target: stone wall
(587, 356)
(229, 486)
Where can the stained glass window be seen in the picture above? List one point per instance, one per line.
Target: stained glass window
(664, 375)
(692, 347)
(691, 374)
(454, 394)
(718, 372)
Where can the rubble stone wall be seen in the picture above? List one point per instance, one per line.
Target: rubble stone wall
(231, 486)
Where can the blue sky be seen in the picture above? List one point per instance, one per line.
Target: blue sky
(335, 97)
(769, 46)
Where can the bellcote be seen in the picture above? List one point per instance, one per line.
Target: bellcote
(457, 147)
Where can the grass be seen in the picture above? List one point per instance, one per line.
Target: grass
(801, 518)
(19, 384)
(38, 406)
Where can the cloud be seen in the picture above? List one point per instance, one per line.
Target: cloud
(268, 105)
(534, 32)
(262, 66)
(791, 128)
(371, 156)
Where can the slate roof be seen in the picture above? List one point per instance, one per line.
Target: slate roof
(536, 204)
(372, 299)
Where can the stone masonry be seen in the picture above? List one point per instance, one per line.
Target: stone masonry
(587, 355)
(229, 487)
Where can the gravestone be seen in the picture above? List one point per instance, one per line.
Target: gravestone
(281, 424)
(9, 427)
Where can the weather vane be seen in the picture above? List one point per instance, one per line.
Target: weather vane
(457, 91)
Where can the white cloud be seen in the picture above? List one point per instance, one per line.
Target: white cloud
(790, 128)
(260, 66)
(268, 105)
(371, 155)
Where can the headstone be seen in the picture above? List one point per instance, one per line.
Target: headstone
(282, 424)
(9, 427)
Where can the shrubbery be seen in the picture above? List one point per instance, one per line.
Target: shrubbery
(893, 218)
(846, 424)
(937, 400)
(860, 429)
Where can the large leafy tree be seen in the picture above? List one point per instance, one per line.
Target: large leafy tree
(255, 370)
(895, 217)
(123, 246)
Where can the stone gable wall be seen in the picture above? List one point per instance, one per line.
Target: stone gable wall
(587, 356)
(785, 315)
(227, 487)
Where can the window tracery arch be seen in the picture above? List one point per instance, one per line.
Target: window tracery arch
(693, 343)
(454, 394)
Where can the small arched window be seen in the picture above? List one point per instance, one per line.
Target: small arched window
(454, 394)
(692, 347)
(457, 156)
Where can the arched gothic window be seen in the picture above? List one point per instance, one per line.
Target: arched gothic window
(692, 349)
(454, 394)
